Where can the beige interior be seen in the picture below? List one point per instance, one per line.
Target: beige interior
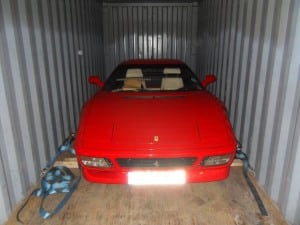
(133, 79)
(171, 83)
(134, 83)
(171, 71)
(134, 72)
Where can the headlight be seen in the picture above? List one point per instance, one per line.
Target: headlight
(216, 160)
(95, 162)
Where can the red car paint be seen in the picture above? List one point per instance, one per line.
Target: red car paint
(155, 124)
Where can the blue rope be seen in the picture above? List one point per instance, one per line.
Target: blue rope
(55, 180)
(58, 180)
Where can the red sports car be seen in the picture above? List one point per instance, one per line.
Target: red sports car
(153, 122)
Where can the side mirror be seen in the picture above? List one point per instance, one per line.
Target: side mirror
(96, 80)
(209, 78)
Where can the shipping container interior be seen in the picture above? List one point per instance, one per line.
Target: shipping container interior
(49, 48)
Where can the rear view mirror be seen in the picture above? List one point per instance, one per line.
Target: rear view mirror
(209, 78)
(96, 81)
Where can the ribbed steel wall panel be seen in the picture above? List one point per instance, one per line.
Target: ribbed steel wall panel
(251, 45)
(253, 48)
(143, 30)
(43, 83)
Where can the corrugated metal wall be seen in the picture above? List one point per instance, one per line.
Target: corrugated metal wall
(253, 48)
(47, 50)
(143, 30)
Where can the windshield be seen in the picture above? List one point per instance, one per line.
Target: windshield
(152, 78)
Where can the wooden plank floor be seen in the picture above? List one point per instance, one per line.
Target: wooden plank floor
(227, 202)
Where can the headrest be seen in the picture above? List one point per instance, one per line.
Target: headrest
(134, 72)
(171, 71)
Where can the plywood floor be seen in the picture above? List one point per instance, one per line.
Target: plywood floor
(217, 203)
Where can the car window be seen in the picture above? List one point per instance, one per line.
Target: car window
(152, 78)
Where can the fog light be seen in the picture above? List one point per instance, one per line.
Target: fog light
(216, 160)
(96, 162)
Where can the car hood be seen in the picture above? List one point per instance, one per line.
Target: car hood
(153, 121)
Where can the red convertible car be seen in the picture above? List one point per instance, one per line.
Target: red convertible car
(153, 122)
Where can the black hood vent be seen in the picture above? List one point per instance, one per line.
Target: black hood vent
(156, 162)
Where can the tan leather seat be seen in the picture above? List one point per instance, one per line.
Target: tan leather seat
(171, 83)
(134, 72)
(174, 70)
(134, 79)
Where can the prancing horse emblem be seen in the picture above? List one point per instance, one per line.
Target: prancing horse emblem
(155, 138)
(156, 164)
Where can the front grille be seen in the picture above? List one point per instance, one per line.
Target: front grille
(156, 162)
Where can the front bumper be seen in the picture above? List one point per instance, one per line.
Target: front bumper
(120, 176)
